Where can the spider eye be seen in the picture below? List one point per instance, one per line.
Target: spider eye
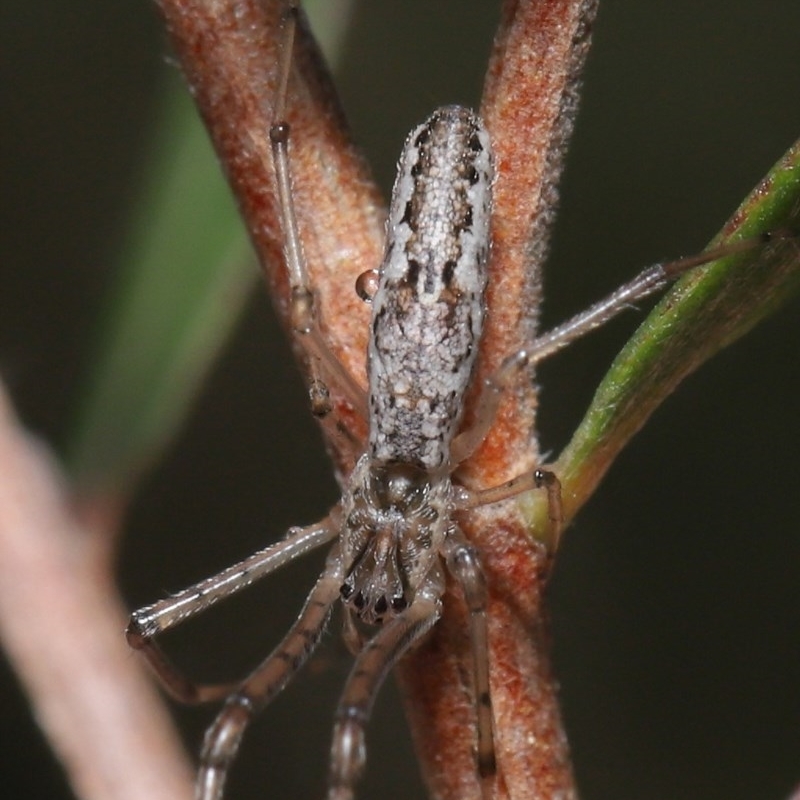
(381, 605)
(399, 485)
(345, 590)
(399, 603)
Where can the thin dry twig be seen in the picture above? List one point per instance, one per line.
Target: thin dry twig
(61, 623)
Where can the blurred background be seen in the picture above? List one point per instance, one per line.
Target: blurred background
(676, 600)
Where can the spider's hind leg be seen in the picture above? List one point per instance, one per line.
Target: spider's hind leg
(325, 367)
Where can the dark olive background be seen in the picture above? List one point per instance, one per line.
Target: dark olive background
(676, 601)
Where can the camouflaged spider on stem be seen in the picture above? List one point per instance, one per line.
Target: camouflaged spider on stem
(395, 526)
(395, 531)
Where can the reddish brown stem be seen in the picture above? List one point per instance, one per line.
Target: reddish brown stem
(529, 103)
(228, 50)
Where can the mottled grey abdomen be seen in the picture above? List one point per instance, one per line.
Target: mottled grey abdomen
(428, 310)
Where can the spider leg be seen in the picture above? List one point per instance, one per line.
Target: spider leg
(464, 565)
(148, 622)
(305, 317)
(649, 281)
(538, 479)
(222, 739)
(380, 654)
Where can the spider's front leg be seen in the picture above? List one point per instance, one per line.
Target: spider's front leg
(324, 365)
(146, 623)
(394, 639)
(222, 739)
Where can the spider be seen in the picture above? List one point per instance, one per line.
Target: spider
(394, 532)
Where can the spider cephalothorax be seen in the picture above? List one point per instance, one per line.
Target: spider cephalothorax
(396, 519)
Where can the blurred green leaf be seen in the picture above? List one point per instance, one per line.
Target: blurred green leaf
(181, 283)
